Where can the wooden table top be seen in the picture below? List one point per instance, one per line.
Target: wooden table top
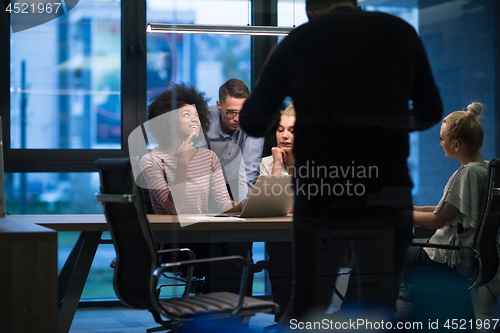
(97, 222)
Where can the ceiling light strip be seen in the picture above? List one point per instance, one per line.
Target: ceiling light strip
(218, 29)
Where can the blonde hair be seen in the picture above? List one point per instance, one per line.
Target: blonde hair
(465, 126)
(289, 111)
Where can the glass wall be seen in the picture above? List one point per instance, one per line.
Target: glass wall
(205, 61)
(460, 38)
(65, 80)
(65, 94)
(52, 193)
(65, 86)
(291, 13)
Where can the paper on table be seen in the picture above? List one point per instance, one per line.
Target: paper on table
(213, 218)
(188, 220)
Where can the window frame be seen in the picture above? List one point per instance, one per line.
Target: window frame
(133, 90)
(133, 101)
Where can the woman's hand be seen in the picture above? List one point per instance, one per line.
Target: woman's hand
(279, 156)
(236, 208)
(186, 150)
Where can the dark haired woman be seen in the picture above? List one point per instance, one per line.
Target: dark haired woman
(179, 174)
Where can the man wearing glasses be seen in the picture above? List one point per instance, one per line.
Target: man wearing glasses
(239, 154)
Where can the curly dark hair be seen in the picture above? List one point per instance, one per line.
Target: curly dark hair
(180, 94)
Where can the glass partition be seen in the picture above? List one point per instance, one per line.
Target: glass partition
(205, 61)
(65, 80)
(52, 193)
(65, 83)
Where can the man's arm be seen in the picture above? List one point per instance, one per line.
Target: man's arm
(261, 110)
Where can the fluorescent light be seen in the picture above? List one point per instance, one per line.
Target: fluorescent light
(218, 29)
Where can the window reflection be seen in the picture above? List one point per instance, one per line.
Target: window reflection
(68, 94)
(65, 80)
(205, 61)
(52, 193)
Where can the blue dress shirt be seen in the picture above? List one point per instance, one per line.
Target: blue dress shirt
(239, 155)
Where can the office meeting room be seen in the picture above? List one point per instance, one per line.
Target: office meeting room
(249, 166)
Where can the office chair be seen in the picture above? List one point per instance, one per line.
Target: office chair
(199, 281)
(486, 242)
(138, 266)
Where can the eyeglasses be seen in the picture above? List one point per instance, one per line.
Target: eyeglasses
(232, 114)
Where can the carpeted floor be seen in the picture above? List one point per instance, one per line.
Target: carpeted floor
(123, 320)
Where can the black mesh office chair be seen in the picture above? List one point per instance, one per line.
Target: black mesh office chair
(138, 267)
(485, 248)
(487, 238)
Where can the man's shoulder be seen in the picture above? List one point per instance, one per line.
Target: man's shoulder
(319, 27)
(213, 129)
(356, 17)
(389, 22)
(213, 110)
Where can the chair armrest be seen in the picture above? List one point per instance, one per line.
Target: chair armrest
(446, 247)
(190, 268)
(118, 198)
(183, 249)
(196, 262)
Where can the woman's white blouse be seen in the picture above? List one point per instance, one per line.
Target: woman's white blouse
(466, 190)
(266, 166)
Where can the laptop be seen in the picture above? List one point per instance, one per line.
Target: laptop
(271, 196)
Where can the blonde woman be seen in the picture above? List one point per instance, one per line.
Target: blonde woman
(281, 161)
(457, 214)
(436, 277)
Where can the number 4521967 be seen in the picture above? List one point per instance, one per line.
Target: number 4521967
(462, 324)
(26, 8)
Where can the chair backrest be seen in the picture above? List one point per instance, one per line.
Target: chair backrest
(148, 205)
(487, 239)
(136, 253)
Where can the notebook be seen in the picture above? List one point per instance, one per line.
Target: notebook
(271, 196)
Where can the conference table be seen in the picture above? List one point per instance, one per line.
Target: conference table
(173, 229)
(166, 229)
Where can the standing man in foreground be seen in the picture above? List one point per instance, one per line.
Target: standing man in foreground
(239, 153)
(351, 75)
